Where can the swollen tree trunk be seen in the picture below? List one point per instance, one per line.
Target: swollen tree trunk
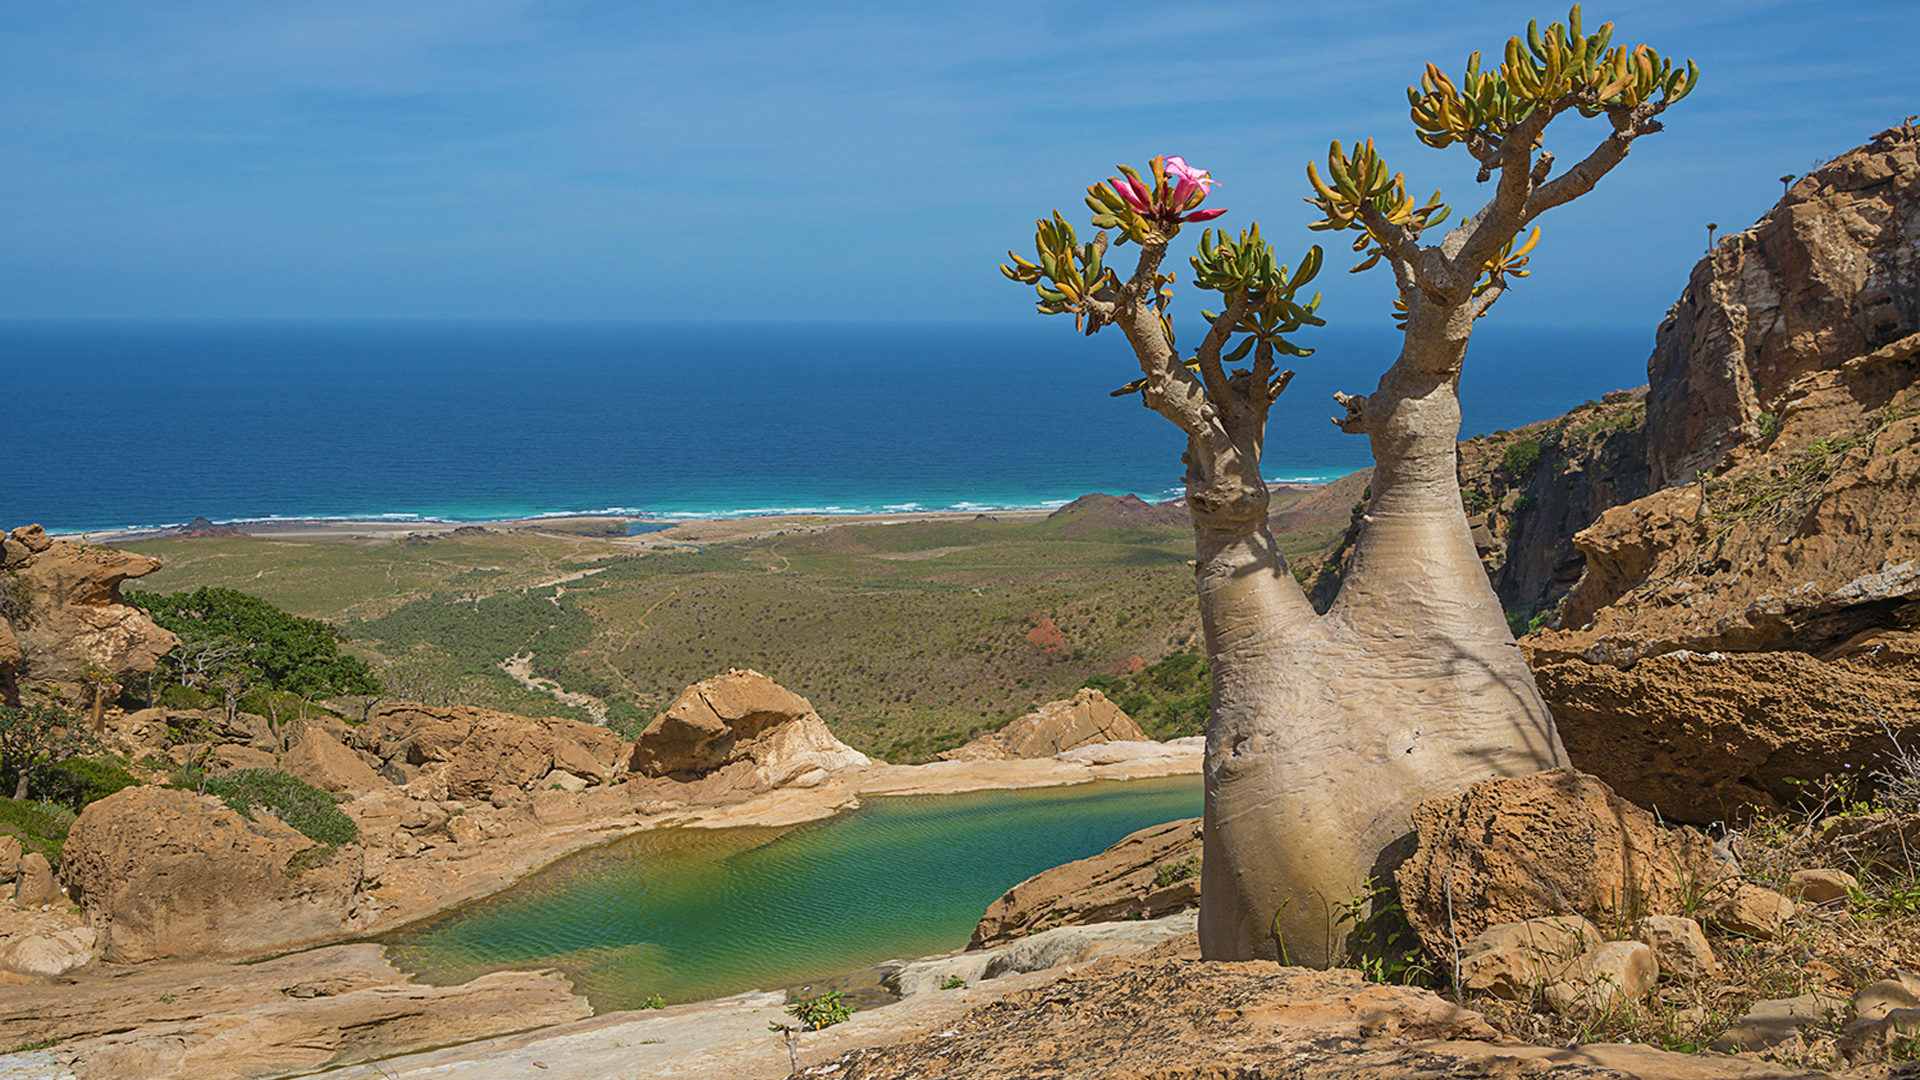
(1327, 731)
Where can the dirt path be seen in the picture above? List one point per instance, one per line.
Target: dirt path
(520, 667)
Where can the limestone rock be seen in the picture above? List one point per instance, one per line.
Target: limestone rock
(462, 752)
(1146, 874)
(1086, 718)
(1831, 272)
(1513, 961)
(1554, 842)
(1750, 911)
(36, 882)
(740, 732)
(1044, 949)
(163, 873)
(1769, 1023)
(1701, 735)
(72, 619)
(50, 955)
(321, 760)
(1680, 947)
(1818, 886)
(9, 859)
(1608, 974)
(1885, 1013)
(299, 1032)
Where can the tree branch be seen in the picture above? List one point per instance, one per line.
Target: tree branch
(1480, 237)
(1577, 181)
(1209, 352)
(1171, 390)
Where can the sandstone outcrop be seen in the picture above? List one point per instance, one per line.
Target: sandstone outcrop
(462, 752)
(290, 1014)
(1554, 843)
(1086, 718)
(1832, 272)
(1145, 875)
(323, 761)
(741, 732)
(164, 873)
(64, 630)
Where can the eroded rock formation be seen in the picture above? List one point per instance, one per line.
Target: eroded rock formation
(64, 631)
(741, 732)
(1082, 720)
(463, 752)
(1145, 875)
(1832, 272)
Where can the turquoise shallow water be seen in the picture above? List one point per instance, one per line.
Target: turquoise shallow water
(698, 913)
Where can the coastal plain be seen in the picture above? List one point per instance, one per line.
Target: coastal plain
(910, 633)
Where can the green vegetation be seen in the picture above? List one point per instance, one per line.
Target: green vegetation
(78, 781)
(953, 982)
(820, 1011)
(306, 808)
(1520, 457)
(652, 1001)
(39, 826)
(1167, 873)
(237, 642)
(1169, 699)
(36, 737)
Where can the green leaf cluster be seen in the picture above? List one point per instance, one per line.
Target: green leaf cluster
(283, 651)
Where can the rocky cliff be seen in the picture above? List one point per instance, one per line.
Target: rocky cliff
(1832, 272)
(1756, 624)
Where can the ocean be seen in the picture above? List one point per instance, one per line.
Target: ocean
(114, 425)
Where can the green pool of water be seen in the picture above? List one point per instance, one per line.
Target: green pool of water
(698, 913)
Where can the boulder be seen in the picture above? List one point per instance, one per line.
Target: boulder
(1606, 975)
(1145, 875)
(1770, 1023)
(321, 760)
(1082, 720)
(9, 859)
(1748, 910)
(164, 873)
(462, 752)
(1680, 947)
(1557, 842)
(36, 882)
(1515, 961)
(71, 620)
(1886, 1014)
(740, 732)
(49, 955)
(1820, 886)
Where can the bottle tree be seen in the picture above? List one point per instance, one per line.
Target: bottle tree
(1328, 730)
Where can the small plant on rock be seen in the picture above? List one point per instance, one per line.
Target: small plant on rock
(1167, 873)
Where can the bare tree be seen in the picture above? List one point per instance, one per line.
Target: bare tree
(1328, 730)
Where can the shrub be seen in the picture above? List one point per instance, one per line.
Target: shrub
(306, 808)
(820, 1011)
(1167, 873)
(79, 781)
(953, 982)
(1521, 456)
(39, 826)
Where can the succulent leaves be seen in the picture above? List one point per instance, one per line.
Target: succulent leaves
(1560, 68)
(1359, 182)
(1068, 272)
(1244, 268)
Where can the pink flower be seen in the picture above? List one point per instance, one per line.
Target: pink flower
(1178, 168)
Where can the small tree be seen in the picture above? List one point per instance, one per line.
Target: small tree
(34, 737)
(1327, 731)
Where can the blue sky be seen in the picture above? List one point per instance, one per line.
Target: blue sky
(778, 161)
